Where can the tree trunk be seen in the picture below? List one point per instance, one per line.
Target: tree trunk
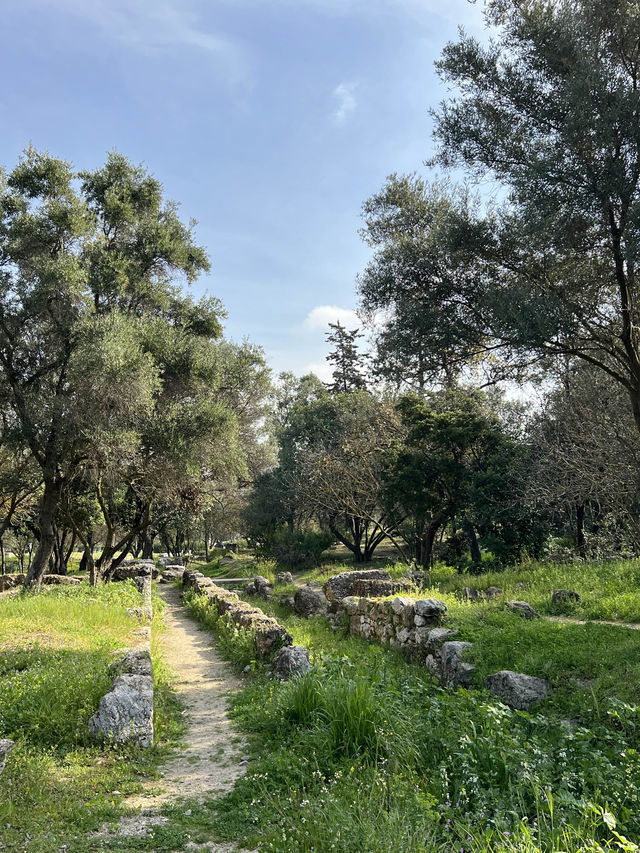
(148, 538)
(426, 543)
(46, 523)
(3, 565)
(581, 543)
(474, 547)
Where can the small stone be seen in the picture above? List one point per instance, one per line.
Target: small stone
(562, 596)
(523, 608)
(492, 592)
(455, 671)
(6, 746)
(430, 608)
(438, 636)
(290, 662)
(399, 603)
(471, 594)
(284, 577)
(309, 602)
(246, 670)
(517, 690)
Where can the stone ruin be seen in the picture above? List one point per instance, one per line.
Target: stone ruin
(125, 713)
(269, 635)
(340, 586)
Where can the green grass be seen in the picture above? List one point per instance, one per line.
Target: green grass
(367, 753)
(55, 649)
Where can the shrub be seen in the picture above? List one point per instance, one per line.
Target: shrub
(302, 548)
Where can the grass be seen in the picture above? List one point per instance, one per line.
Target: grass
(55, 649)
(367, 753)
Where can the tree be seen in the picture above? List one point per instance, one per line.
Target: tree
(550, 108)
(85, 261)
(432, 472)
(346, 360)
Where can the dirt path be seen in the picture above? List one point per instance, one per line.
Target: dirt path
(634, 626)
(211, 759)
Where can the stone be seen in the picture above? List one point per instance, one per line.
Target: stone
(309, 602)
(127, 571)
(374, 588)
(291, 662)
(517, 690)
(288, 601)
(471, 594)
(399, 604)
(430, 608)
(523, 608)
(563, 596)
(11, 581)
(492, 592)
(340, 586)
(259, 586)
(125, 713)
(455, 671)
(284, 577)
(143, 585)
(132, 661)
(62, 580)
(350, 604)
(171, 574)
(6, 746)
(438, 636)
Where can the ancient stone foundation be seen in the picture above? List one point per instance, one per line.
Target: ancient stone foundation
(269, 635)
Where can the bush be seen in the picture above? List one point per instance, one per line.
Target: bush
(302, 548)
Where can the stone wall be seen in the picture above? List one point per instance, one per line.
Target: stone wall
(269, 634)
(401, 623)
(340, 586)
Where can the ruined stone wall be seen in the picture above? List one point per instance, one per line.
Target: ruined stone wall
(269, 634)
(401, 623)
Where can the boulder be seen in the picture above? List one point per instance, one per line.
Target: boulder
(259, 586)
(287, 601)
(455, 671)
(523, 608)
(469, 593)
(340, 586)
(284, 577)
(291, 662)
(5, 746)
(125, 713)
(309, 602)
(492, 592)
(350, 604)
(517, 690)
(563, 596)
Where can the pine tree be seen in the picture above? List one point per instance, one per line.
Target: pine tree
(347, 361)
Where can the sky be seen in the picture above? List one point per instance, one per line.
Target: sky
(269, 121)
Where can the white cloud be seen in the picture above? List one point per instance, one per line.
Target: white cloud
(150, 25)
(345, 101)
(320, 317)
(323, 370)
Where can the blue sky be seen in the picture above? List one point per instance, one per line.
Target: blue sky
(270, 121)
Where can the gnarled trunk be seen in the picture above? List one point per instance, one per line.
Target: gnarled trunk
(47, 525)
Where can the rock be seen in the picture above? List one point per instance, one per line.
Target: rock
(125, 714)
(340, 586)
(563, 596)
(374, 588)
(399, 604)
(60, 579)
(262, 586)
(132, 662)
(172, 574)
(309, 602)
(6, 746)
(11, 581)
(144, 614)
(438, 636)
(430, 608)
(492, 592)
(284, 577)
(455, 671)
(517, 690)
(143, 585)
(523, 608)
(350, 604)
(288, 601)
(133, 570)
(471, 594)
(291, 662)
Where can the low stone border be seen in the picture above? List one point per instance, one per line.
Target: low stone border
(125, 713)
(268, 633)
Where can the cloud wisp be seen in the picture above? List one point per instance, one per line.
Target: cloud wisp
(345, 101)
(153, 25)
(319, 318)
